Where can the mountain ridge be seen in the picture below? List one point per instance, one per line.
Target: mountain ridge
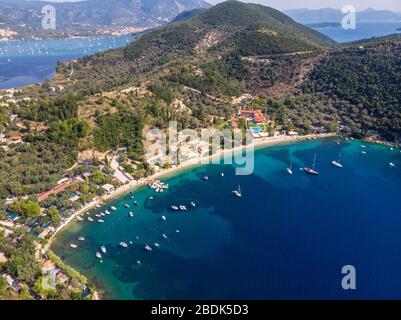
(225, 37)
(97, 13)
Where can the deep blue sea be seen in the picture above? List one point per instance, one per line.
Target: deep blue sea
(27, 62)
(287, 238)
(364, 30)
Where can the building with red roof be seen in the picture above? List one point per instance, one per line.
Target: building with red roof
(255, 116)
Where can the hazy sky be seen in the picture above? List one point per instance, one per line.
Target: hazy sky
(394, 5)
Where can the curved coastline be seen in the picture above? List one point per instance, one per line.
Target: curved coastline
(123, 190)
(185, 171)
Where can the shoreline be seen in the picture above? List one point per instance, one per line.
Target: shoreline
(134, 185)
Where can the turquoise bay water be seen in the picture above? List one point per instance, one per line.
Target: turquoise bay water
(287, 238)
(28, 62)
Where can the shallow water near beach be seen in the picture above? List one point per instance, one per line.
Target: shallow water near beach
(287, 238)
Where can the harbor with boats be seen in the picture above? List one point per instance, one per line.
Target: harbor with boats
(198, 223)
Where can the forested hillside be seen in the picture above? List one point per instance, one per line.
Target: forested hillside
(364, 82)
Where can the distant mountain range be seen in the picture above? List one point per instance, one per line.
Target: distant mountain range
(93, 13)
(334, 15)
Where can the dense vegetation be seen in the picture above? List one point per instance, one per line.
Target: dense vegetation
(363, 83)
(218, 36)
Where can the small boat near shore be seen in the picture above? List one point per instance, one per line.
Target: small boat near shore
(80, 218)
(100, 221)
(107, 212)
(158, 186)
(183, 208)
(193, 204)
(175, 208)
(392, 165)
(127, 206)
(164, 236)
(103, 249)
(206, 178)
(136, 203)
(81, 239)
(113, 208)
(90, 219)
(98, 206)
(157, 245)
(148, 248)
(123, 245)
(73, 246)
(164, 218)
(131, 214)
(98, 255)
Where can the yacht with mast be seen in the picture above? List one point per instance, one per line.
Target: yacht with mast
(238, 192)
(338, 163)
(289, 170)
(312, 171)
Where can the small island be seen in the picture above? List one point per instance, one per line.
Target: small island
(324, 25)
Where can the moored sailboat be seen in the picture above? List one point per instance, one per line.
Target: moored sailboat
(289, 170)
(238, 192)
(312, 171)
(338, 163)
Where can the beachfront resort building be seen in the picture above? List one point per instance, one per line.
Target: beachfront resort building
(256, 116)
